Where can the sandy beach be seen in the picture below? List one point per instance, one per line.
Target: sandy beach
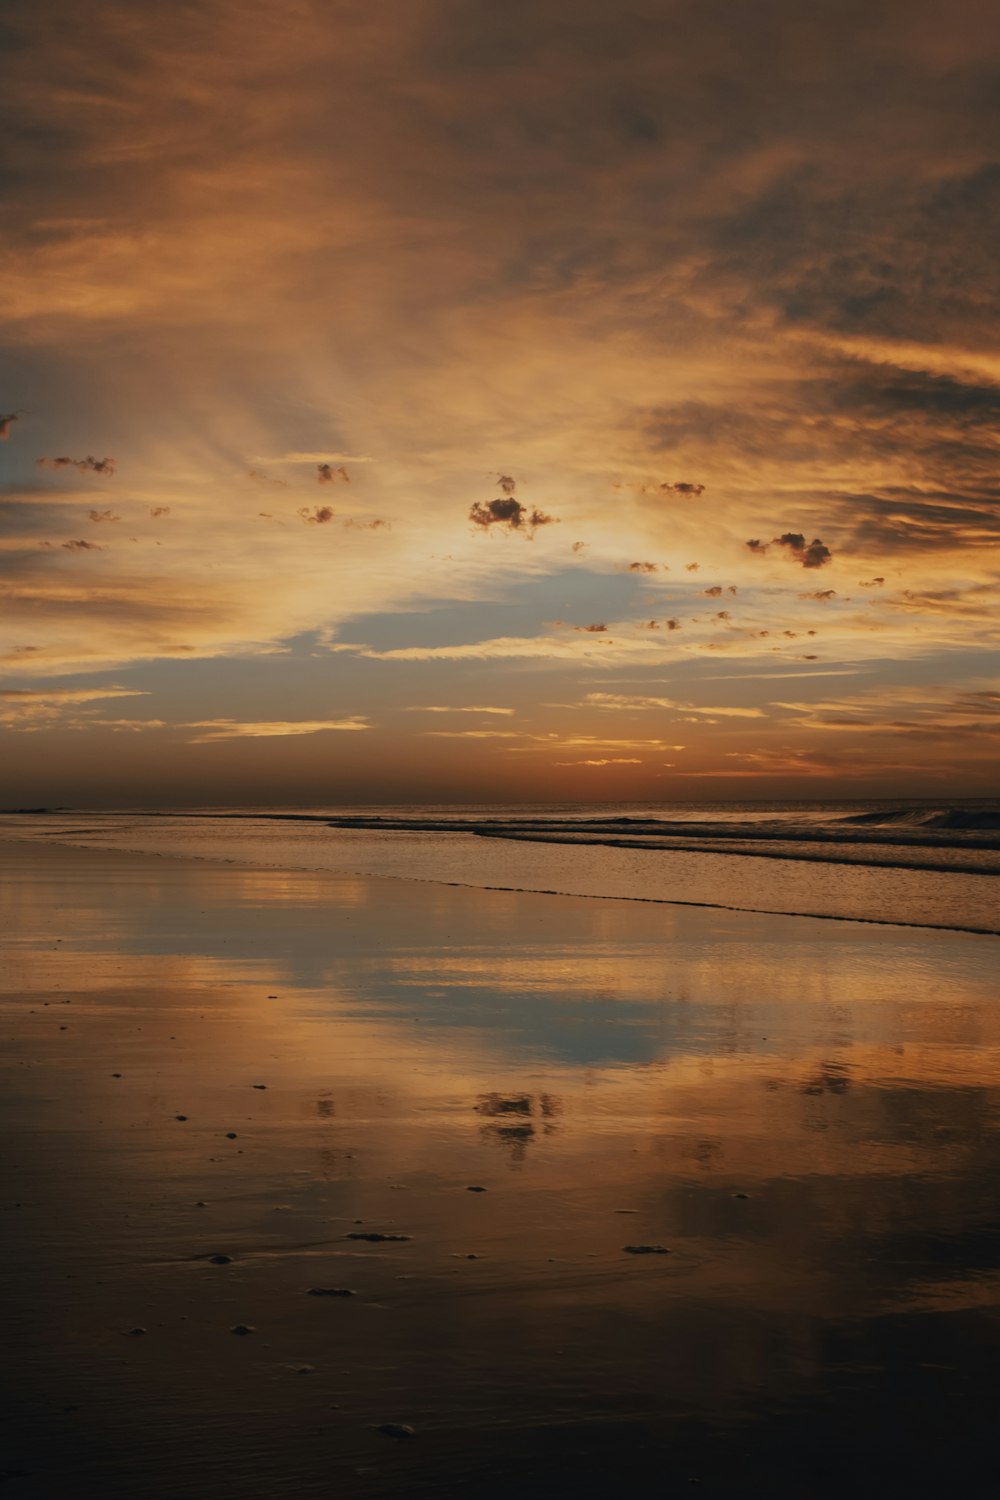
(216, 1078)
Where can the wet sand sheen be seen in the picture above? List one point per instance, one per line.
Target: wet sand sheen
(213, 1077)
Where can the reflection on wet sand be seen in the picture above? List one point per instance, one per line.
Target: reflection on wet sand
(226, 1090)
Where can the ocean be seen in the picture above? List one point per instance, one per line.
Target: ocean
(903, 863)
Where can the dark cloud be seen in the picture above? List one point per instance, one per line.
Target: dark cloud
(821, 594)
(510, 513)
(935, 429)
(506, 512)
(318, 516)
(642, 567)
(82, 546)
(673, 624)
(592, 629)
(159, 510)
(327, 474)
(375, 525)
(6, 423)
(921, 269)
(975, 602)
(103, 515)
(105, 466)
(814, 554)
(811, 555)
(260, 476)
(714, 592)
(684, 487)
(871, 583)
(578, 546)
(691, 567)
(904, 519)
(884, 391)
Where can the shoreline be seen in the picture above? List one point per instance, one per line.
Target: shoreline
(225, 862)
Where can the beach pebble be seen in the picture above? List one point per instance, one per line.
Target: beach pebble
(220, 1260)
(646, 1249)
(329, 1291)
(230, 1135)
(741, 1195)
(396, 1429)
(135, 1332)
(116, 1075)
(377, 1239)
(259, 1085)
(475, 1190)
(180, 1117)
(201, 1203)
(242, 1329)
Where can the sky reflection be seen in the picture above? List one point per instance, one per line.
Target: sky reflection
(809, 1126)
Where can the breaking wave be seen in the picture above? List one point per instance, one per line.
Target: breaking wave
(964, 839)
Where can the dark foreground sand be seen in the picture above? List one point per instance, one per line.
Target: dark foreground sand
(805, 1114)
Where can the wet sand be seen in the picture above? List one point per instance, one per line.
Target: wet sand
(204, 1061)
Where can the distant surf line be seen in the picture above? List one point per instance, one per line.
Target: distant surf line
(754, 853)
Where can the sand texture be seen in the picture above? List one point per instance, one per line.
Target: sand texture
(319, 1186)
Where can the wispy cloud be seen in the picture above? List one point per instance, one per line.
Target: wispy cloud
(456, 708)
(35, 708)
(624, 703)
(612, 760)
(102, 466)
(322, 457)
(235, 729)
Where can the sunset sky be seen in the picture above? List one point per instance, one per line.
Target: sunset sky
(426, 400)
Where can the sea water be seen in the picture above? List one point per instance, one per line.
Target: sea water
(913, 864)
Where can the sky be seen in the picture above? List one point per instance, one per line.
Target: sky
(437, 401)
